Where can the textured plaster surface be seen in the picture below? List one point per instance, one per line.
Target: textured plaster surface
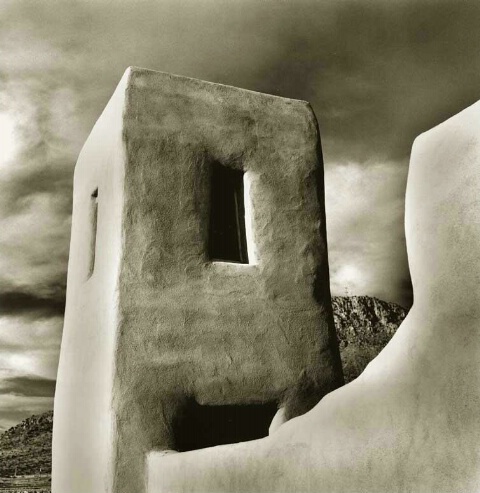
(410, 422)
(180, 327)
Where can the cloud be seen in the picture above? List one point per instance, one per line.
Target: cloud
(28, 386)
(367, 251)
(19, 302)
(29, 347)
(34, 246)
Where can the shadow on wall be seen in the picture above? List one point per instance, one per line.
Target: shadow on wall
(207, 426)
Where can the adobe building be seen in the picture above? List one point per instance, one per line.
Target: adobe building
(198, 298)
(411, 421)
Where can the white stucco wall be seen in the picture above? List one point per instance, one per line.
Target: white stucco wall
(83, 419)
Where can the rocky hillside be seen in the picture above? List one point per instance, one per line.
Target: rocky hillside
(26, 447)
(364, 326)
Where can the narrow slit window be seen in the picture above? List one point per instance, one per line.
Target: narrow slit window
(227, 238)
(93, 230)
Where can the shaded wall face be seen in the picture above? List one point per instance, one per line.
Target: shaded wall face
(195, 330)
(221, 332)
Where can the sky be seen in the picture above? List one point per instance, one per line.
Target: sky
(377, 73)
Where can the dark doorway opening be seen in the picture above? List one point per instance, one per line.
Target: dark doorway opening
(207, 426)
(227, 238)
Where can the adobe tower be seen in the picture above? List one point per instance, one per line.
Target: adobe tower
(198, 296)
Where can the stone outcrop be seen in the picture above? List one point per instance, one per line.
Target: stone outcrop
(364, 327)
(26, 448)
(365, 320)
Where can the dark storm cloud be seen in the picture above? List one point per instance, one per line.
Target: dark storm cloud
(23, 303)
(28, 386)
(376, 72)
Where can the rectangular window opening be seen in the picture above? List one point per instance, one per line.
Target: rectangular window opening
(93, 230)
(227, 238)
(208, 426)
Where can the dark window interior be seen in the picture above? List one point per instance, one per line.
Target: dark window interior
(227, 239)
(207, 426)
